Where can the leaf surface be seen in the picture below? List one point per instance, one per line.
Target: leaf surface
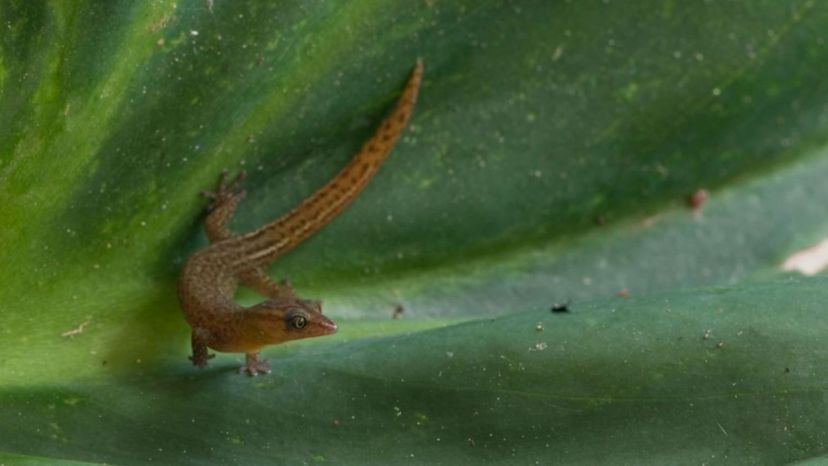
(549, 159)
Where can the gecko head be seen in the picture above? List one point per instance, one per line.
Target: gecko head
(293, 319)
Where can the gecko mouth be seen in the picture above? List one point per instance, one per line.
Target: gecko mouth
(327, 325)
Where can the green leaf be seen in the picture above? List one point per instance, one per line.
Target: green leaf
(731, 375)
(549, 158)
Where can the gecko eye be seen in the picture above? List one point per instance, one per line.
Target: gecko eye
(298, 322)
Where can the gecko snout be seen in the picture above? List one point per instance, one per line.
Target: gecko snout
(327, 325)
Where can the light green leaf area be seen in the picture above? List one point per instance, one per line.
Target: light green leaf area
(549, 158)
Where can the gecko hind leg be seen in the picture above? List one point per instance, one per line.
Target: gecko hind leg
(258, 281)
(254, 366)
(224, 201)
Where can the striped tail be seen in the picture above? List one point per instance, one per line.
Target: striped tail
(272, 240)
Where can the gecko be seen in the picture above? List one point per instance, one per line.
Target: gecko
(211, 275)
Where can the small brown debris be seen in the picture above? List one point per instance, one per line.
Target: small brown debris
(398, 312)
(697, 199)
(623, 293)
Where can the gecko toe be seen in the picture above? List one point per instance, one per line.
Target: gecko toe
(223, 178)
(201, 361)
(255, 367)
(238, 180)
(225, 192)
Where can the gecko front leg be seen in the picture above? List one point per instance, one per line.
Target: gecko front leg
(254, 366)
(198, 341)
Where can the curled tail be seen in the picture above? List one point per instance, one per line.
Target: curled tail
(274, 239)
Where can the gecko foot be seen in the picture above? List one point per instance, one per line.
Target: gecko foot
(225, 191)
(200, 361)
(253, 366)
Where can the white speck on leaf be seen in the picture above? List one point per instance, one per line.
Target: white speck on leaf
(809, 261)
(557, 53)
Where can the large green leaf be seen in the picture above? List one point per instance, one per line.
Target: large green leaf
(733, 376)
(548, 158)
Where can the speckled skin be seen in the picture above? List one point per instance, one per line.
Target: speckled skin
(211, 275)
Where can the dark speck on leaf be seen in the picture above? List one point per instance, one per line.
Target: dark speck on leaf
(399, 310)
(560, 308)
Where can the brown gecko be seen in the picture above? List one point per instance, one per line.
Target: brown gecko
(211, 275)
